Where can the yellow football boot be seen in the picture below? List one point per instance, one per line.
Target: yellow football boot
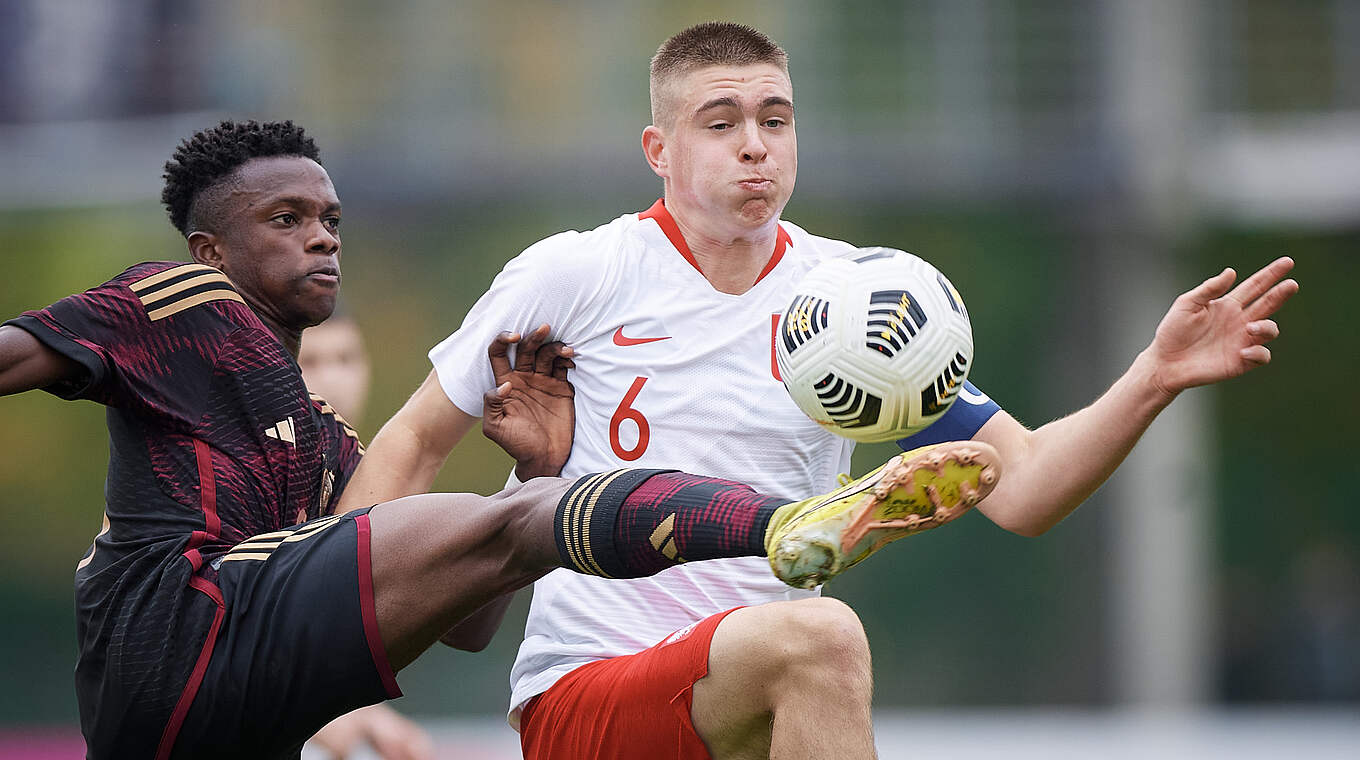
(809, 542)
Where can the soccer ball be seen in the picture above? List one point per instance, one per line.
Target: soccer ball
(875, 345)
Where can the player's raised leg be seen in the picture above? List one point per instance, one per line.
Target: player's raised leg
(438, 558)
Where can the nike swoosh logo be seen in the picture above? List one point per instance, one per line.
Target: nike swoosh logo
(622, 340)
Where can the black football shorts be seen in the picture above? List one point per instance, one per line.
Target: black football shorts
(297, 644)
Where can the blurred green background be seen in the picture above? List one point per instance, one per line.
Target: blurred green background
(1007, 142)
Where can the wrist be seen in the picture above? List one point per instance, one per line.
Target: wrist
(1151, 373)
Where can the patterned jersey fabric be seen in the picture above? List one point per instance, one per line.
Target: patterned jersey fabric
(213, 438)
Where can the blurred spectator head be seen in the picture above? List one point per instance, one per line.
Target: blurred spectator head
(335, 365)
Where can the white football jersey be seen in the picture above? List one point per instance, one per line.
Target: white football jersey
(670, 373)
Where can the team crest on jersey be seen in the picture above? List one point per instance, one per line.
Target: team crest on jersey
(327, 488)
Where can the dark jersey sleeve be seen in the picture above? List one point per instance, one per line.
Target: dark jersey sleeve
(148, 339)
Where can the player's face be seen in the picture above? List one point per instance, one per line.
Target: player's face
(731, 155)
(335, 366)
(281, 240)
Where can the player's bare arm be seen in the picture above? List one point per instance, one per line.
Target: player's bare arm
(1211, 333)
(529, 415)
(26, 364)
(406, 454)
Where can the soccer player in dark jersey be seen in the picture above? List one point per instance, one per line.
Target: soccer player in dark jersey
(225, 609)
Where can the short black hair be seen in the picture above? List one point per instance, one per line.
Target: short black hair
(210, 156)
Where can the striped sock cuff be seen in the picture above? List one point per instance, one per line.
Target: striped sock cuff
(584, 526)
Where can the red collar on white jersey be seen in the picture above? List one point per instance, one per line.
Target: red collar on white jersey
(667, 223)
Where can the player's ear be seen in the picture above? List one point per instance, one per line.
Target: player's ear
(654, 148)
(203, 247)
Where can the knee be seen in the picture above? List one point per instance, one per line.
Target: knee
(820, 639)
(828, 627)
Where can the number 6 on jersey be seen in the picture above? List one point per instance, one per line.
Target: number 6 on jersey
(627, 412)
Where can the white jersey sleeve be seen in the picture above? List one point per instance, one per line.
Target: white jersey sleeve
(551, 282)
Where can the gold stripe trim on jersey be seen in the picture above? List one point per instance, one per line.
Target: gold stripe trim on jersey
(204, 278)
(581, 527)
(347, 428)
(349, 431)
(178, 306)
(155, 279)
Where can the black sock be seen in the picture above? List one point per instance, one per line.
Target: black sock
(634, 523)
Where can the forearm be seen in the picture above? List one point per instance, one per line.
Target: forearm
(1050, 471)
(407, 453)
(26, 364)
(396, 464)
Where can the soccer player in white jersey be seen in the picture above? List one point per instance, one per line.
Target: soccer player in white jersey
(671, 313)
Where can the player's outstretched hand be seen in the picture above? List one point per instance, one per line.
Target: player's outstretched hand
(530, 414)
(1216, 331)
(391, 736)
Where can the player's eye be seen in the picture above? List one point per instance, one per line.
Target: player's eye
(720, 126)
(333, 222)
(774, 123)
(286, 218)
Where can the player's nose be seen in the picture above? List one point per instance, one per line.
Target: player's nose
(321, 239)
(753, 144)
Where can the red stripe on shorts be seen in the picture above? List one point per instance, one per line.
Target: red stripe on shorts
(186, 697)
(370, 610)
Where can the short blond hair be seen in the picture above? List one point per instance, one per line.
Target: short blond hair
(713, 43)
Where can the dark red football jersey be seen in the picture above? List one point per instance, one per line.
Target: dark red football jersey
(213, 438)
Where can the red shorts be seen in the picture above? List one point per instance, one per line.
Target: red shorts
(634, 706)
